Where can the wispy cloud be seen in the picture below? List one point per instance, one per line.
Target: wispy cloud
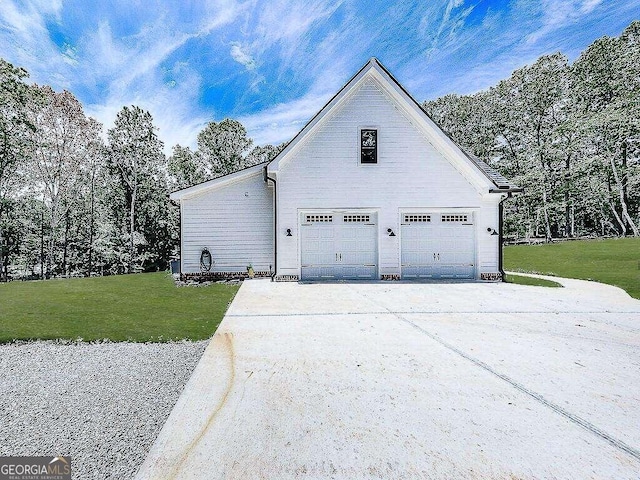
(556, 14)
(242, 57)
(274, 63)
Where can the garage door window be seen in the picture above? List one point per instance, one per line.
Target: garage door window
(416, 218)
(319, 218)
(454, 218)
(356, 218)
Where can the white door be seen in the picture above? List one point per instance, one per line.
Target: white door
(338, 245)
(437, 245)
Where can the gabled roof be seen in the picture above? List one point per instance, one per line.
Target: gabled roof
(217, 182)
(485, 178)
(482, 176)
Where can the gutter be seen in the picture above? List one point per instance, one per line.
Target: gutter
(275, 220)
(508, 190)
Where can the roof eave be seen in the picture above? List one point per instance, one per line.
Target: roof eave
(215, 182)
(507, 190)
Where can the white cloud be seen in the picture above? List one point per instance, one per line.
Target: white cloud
(280, 123)
(24, 28)
(588, 5)
(129, 68)
(172, 106)
(239, 54)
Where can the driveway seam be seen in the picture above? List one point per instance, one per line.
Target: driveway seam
(430, 312)
(619, 444)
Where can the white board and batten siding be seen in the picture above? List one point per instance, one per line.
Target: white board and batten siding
(235, 222)
(325, 173)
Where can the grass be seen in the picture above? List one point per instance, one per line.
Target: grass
(140, 308)
(536, 282)
(612, 261)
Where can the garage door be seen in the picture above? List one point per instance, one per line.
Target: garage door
(437, 245)
(338, 245)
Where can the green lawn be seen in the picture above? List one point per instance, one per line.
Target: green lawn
(141, 307)
(613, 261)
(537, 282)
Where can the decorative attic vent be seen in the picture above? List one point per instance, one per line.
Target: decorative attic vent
(454, 218)
(356, 218)
(319, 218)
(416, 218)
(368, 145)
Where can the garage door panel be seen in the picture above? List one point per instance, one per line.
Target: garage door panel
(347, 249)
(438, 245)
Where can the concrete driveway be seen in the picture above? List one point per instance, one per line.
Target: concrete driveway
(399, 380)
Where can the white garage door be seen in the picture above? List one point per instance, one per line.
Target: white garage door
(338, 245)
(437, 245)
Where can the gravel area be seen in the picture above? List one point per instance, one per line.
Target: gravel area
(101, 403)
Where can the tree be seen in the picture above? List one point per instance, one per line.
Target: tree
(606, 91)
(185, 168)
(135, 158)
(261, 154)
(15, 128)
(63, 144)
(222, 147)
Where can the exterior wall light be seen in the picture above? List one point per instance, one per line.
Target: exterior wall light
(390, 232)
(289, 232)
(492, 231)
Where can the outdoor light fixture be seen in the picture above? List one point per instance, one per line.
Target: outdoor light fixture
(492, 231)
(288, 232)
(390, 232)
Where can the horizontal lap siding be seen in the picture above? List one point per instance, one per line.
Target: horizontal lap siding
(488, 248)
(236, 228)
(326, 173)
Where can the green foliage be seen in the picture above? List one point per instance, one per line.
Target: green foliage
(185, 168)
(262, 154)
(135, 158)
(222, 147)
(612, 261)
(140, 307)
(15, 129)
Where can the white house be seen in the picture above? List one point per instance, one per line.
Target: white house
(370, 188)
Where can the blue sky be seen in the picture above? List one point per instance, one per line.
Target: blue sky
(273, 64)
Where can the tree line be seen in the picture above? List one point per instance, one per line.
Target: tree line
(568, 133)
(74, 202)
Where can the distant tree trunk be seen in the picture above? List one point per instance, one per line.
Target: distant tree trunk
(547, 226)
(91, 227)
(42, 245)
(3, 269)
(132, 212)
(621, 190)
(568, 230)
(623, 228)
(65, 251)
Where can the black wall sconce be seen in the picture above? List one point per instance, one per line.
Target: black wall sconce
(390, 232)
(289, 232)
(492, 231)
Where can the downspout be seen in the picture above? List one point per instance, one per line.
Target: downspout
(500, 228)
(275, 221)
